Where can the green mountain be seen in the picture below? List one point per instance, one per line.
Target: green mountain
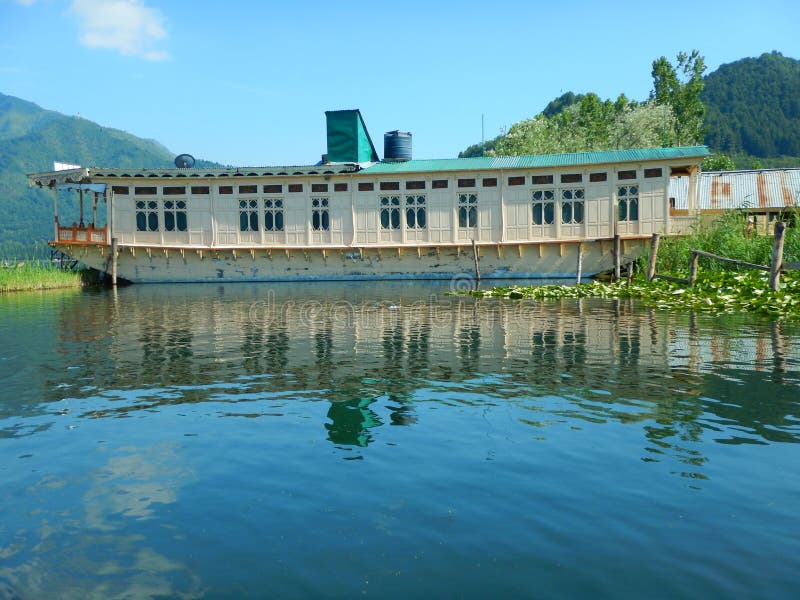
(31, 138)
(753, 107)
(752, 111)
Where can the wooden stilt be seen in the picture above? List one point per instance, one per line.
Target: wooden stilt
(114, 261)
(475, 259)
(651, 267)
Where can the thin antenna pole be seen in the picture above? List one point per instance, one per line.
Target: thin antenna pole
(483, 139)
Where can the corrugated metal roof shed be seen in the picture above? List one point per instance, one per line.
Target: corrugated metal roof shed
(538, 160)
(725, 190)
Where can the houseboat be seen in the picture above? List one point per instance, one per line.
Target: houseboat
(353, 217)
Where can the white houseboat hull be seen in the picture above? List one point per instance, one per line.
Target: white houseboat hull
(509, 261)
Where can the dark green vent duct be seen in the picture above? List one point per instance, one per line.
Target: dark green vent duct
(348, 139)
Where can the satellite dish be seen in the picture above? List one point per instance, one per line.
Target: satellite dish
(184, 161)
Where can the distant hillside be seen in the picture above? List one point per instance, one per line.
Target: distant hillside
(753, 107)
(752, 111)
(31, 138)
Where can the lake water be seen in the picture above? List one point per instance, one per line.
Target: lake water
(385, 440)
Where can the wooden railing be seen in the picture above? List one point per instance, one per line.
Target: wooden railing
(82, 235)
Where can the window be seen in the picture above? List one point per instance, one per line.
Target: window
(248, 215)
(390, 212)
(174, 191)
(295, 188)
(597, 177)
(273, 188)
(415, 185)
(390, 185)
(466, 183)
(542, 180)
(468, 210)
(627, 174)
(571, 178)
(655, 172)
(248, 189)
(273, 214)
(146, 215)
(339, 187)
(628, 203)
(319, 188)
(516, 180)
(439, 184)
(225, 189)
(490, 182)
(320, 219)
(174, 215)
(144, 191)
(572, 206)
(543, 207)
(120, 189)
(200, 190)
(415, 212)
(366, 187)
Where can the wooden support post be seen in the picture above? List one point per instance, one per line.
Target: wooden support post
(617, 257)
(651, 267)
(580, 262)
(777, 256)
(693, 268)
(114, 261)
(55, 212)
(80, 193)
(475, 259)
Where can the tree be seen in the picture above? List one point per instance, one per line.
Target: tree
(680, 88)
(718, 162)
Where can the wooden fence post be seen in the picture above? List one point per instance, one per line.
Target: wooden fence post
(580, 262)
(777, 256)
(693, 268)
(651, 267)
(617, 257)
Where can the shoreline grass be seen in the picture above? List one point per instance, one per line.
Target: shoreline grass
(33, 277)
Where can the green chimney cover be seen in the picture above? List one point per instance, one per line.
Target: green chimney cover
(348, 139)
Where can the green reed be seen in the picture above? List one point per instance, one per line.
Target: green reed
(26, 275)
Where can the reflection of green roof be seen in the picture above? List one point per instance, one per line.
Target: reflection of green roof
(539, 160)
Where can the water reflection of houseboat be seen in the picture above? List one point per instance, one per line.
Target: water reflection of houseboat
(374, 353)
(354, 217)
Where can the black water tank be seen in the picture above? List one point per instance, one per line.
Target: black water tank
(396, 146)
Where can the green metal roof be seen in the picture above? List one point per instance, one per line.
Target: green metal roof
(538, 161)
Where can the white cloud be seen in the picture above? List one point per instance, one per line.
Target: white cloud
(127, 26)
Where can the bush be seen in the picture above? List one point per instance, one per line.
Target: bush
(726, 236)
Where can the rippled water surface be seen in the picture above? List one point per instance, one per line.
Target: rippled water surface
(386, 440)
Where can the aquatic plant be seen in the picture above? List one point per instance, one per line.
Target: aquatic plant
(714, 292)
(28, 275)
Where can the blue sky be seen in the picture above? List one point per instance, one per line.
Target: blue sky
(247, 83)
